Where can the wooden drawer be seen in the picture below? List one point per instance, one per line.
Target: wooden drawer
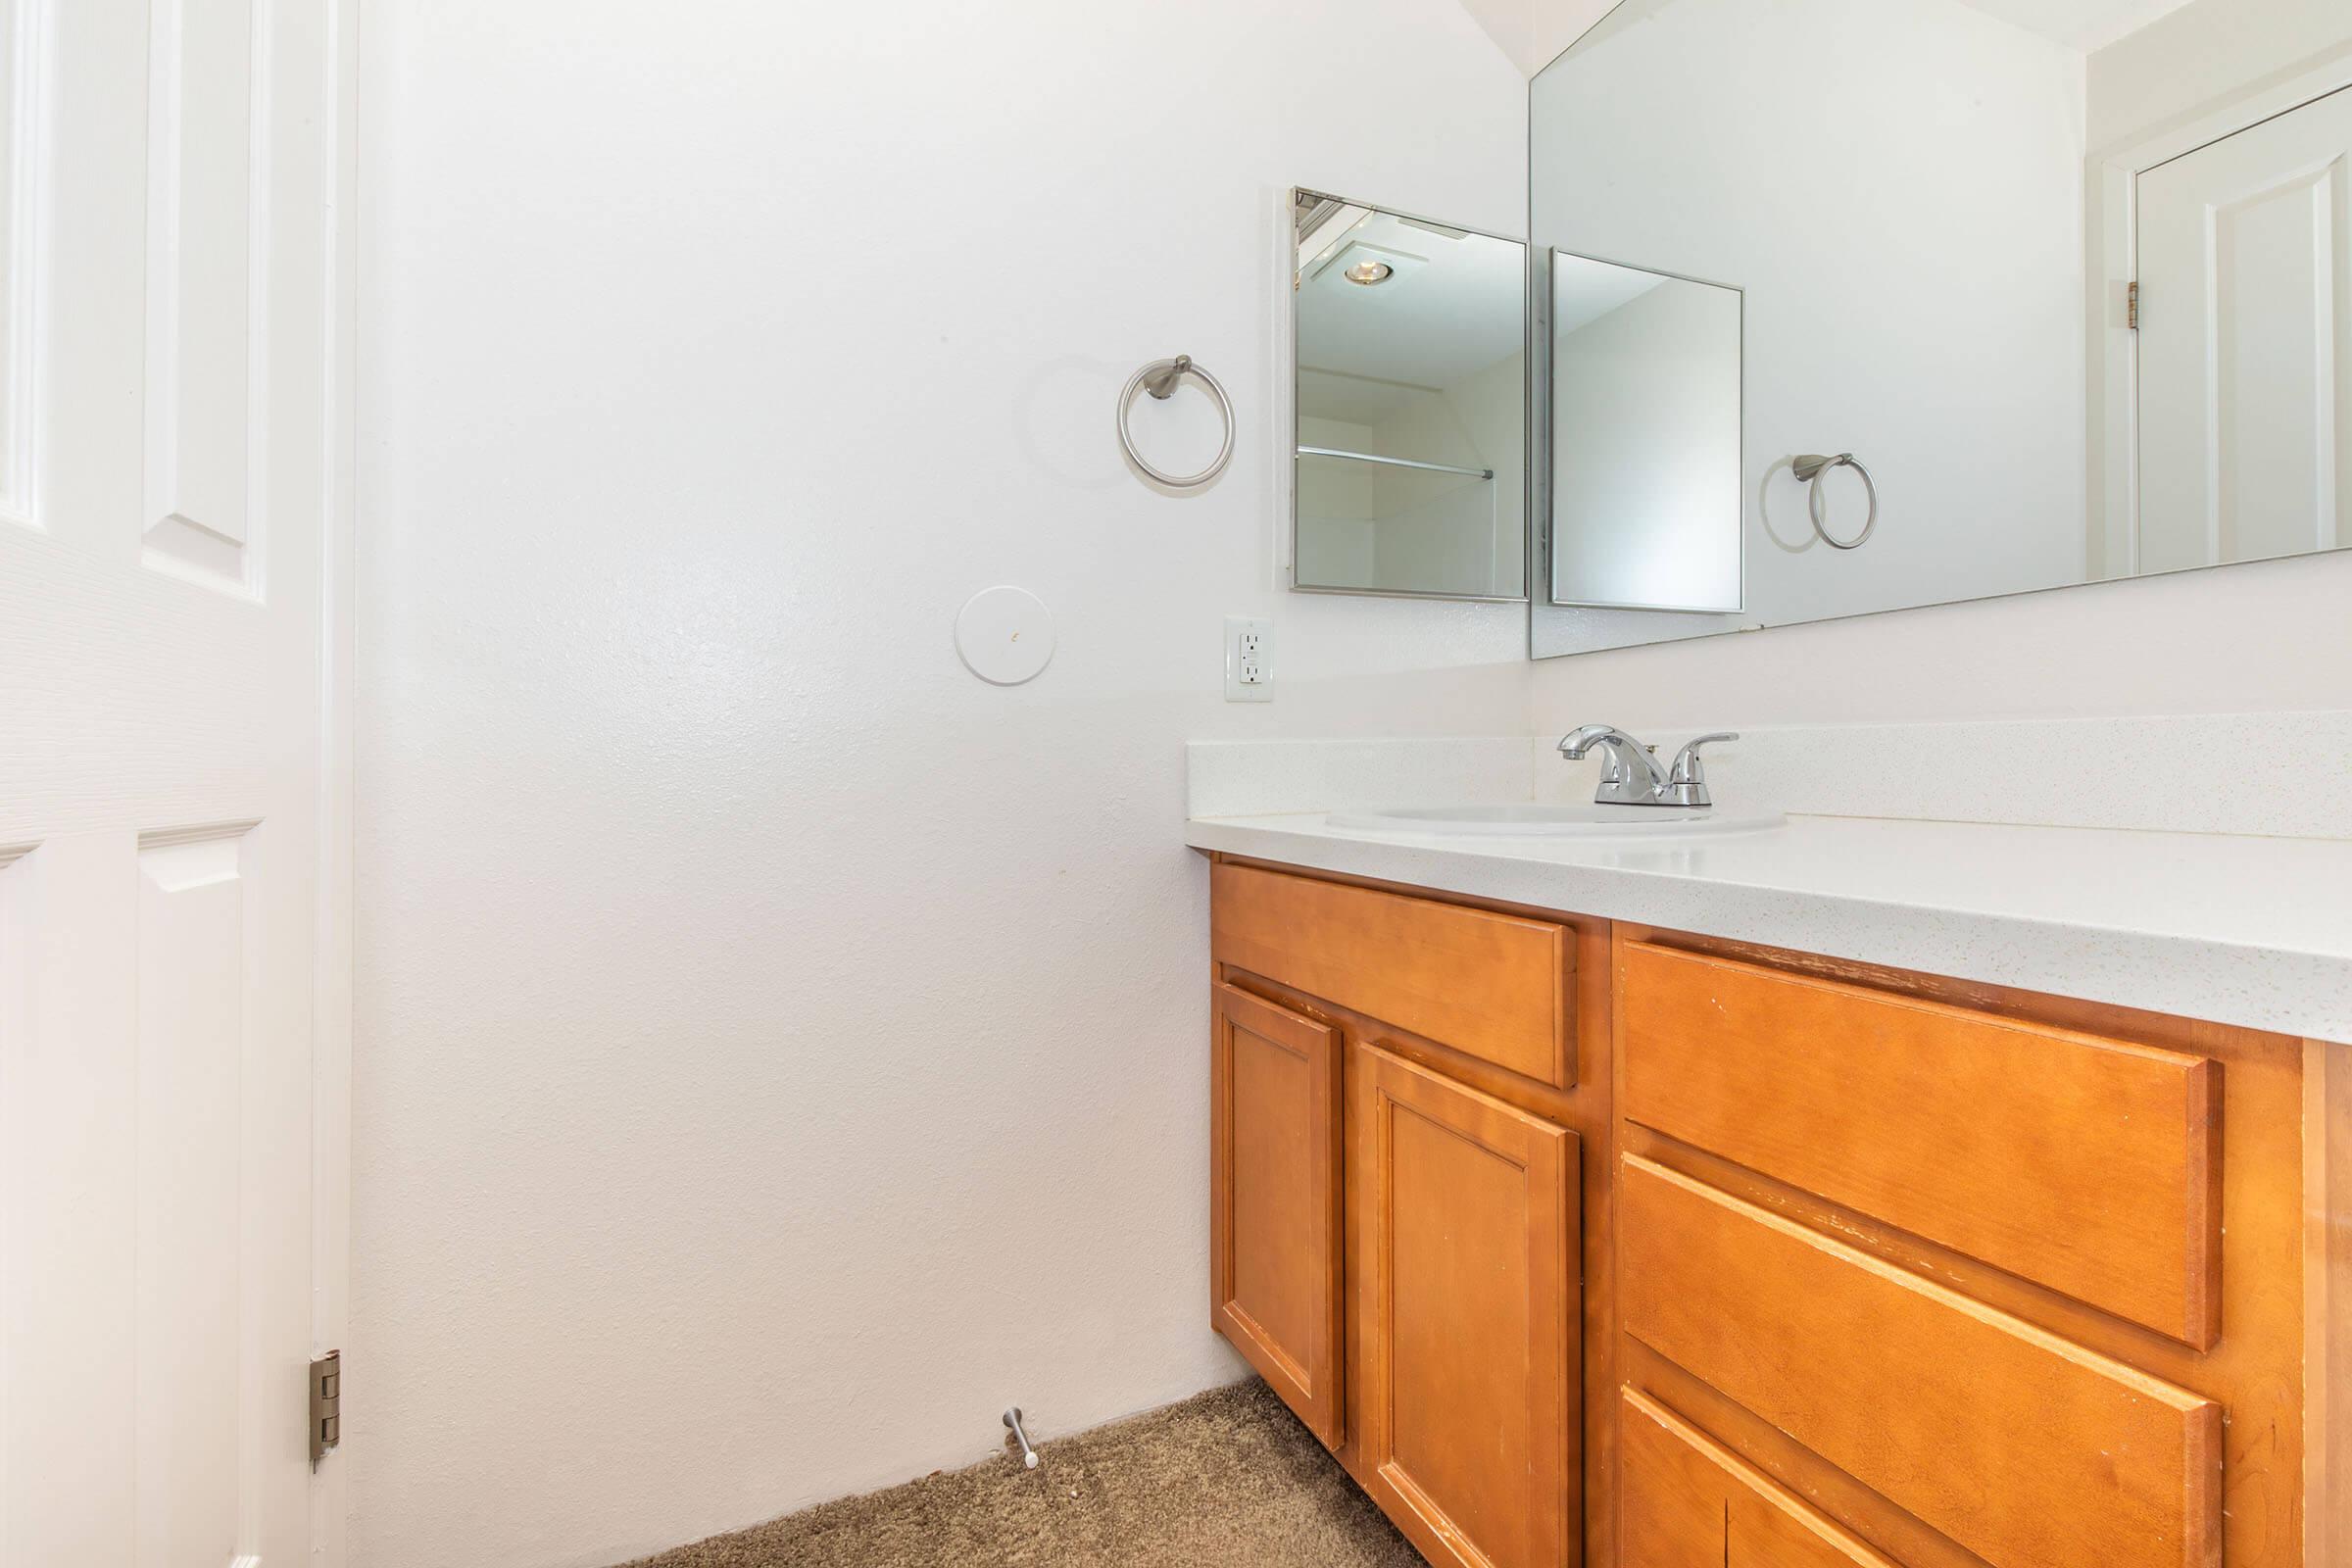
(2023, 1447)
(1688, 1502)
(2084, 1164)
(1495, 986)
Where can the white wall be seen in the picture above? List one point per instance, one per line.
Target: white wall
(1337, 544)
(2266, 637)
(1898, 186)
(777, 1050)
(1646, 449)
(1462, 534)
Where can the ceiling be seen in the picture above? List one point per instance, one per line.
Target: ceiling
(1584, 291)
(1453, 304)
(1533, 33)
(2085, 25)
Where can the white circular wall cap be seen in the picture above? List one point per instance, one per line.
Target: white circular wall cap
(1004, 635)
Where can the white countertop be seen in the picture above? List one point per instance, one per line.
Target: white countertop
(2249, 931)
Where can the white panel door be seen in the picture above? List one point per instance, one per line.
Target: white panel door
(173, 774)
(2246, 344)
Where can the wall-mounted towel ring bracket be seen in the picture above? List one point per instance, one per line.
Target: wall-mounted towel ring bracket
(1809, 469)
(1159, 379)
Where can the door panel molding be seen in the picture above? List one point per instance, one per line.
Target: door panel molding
(23, 158)
(1277, 1260)
(177, 293)
(1470, 1412)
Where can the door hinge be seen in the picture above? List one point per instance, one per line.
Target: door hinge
(2131, 308)
(327, 1403)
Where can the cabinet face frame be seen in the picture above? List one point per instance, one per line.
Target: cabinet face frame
(2259, 1369)
(2279, 1116)
(1547, 1157)
(2087, 1164)
(1306, 1374)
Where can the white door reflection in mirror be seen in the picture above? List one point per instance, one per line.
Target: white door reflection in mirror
(2246, 344)
(1645, 499)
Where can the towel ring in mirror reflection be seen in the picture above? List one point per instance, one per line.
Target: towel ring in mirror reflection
(1809, 469)
(1159, 379)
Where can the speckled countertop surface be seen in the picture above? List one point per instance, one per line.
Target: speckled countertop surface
(2239, 930)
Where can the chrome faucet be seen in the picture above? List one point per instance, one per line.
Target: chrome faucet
(1634, 777)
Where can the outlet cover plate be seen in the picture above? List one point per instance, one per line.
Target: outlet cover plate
(1249, 659)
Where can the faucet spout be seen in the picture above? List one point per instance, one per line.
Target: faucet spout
(1633, 776)
(1576, 743)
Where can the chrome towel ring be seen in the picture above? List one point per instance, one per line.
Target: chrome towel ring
(1809, 469)
(1159, 379)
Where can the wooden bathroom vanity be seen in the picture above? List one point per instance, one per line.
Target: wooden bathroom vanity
(1588, 1242)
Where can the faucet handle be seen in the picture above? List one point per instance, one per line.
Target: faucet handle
(1688, 766)
(1687, 785)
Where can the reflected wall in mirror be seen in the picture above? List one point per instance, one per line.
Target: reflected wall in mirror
(1410, 399)
(1644, 437)
(2073, 280)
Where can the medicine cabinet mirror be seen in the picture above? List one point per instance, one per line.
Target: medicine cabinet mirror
(1409, 345)
(2034, 295)
(1644, 437)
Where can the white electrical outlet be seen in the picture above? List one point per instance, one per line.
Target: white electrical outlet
(1249, 659)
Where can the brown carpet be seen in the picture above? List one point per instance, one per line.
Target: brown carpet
(1228, 1479)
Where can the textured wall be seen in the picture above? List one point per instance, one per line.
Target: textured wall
(777, 1050)
(2268, 636)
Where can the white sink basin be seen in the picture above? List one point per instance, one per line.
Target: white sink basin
(1557, 821)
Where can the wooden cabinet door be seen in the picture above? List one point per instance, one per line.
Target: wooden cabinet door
(1275, 1239)
(1465, 1217)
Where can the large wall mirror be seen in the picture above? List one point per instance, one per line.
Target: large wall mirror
(1644, 423)
(2069, 281)
(1409, 472)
